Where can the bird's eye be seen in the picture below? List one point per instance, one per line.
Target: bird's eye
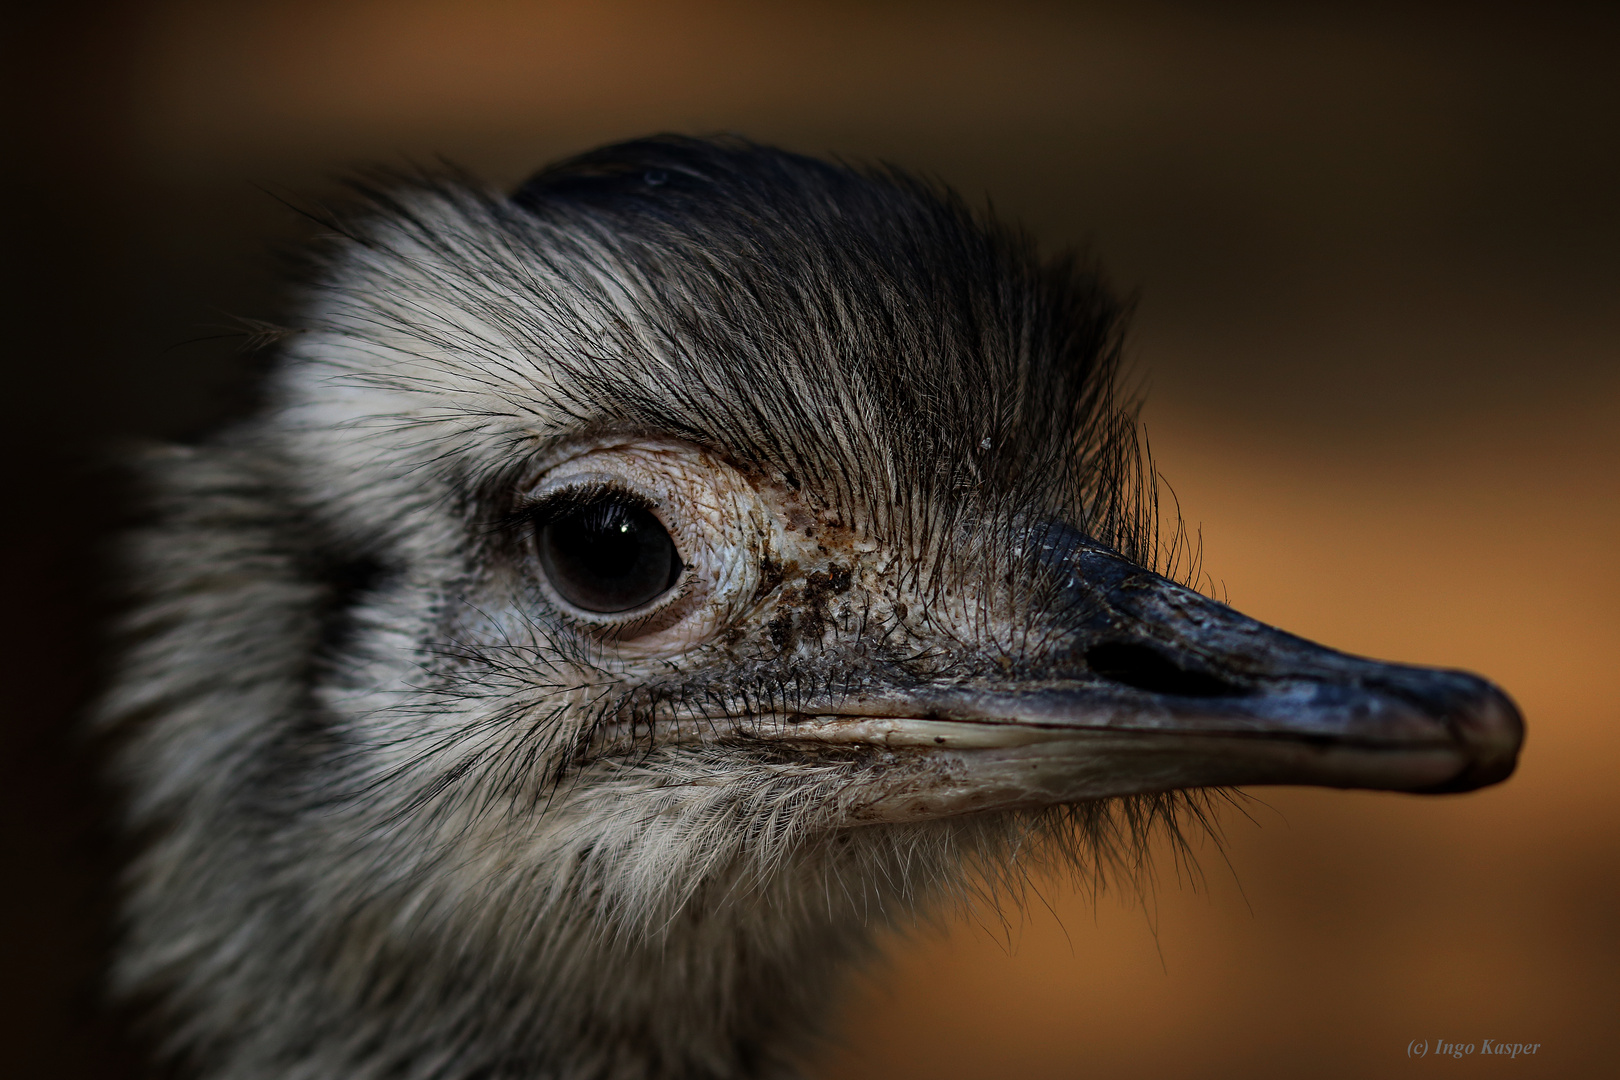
(607, 553)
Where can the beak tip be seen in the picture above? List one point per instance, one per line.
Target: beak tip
(1490, 730)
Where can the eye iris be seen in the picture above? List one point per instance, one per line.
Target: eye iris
(608, 556)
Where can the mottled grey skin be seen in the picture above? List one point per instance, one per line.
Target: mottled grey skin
(406, 813)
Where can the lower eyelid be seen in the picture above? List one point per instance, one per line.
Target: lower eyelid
(666, 615)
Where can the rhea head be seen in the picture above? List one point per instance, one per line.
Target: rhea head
(711, 554)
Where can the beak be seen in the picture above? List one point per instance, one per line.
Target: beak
(1151, 687)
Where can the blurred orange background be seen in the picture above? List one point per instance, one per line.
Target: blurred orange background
(1376, 258)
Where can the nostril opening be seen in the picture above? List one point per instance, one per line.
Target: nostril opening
(1145, 668)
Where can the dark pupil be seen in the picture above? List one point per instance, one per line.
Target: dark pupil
(608, 556)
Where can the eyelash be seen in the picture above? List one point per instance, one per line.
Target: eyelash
(552, 506)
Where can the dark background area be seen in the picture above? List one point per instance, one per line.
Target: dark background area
(1376, 255)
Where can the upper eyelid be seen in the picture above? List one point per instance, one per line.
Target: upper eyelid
(533, 511)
